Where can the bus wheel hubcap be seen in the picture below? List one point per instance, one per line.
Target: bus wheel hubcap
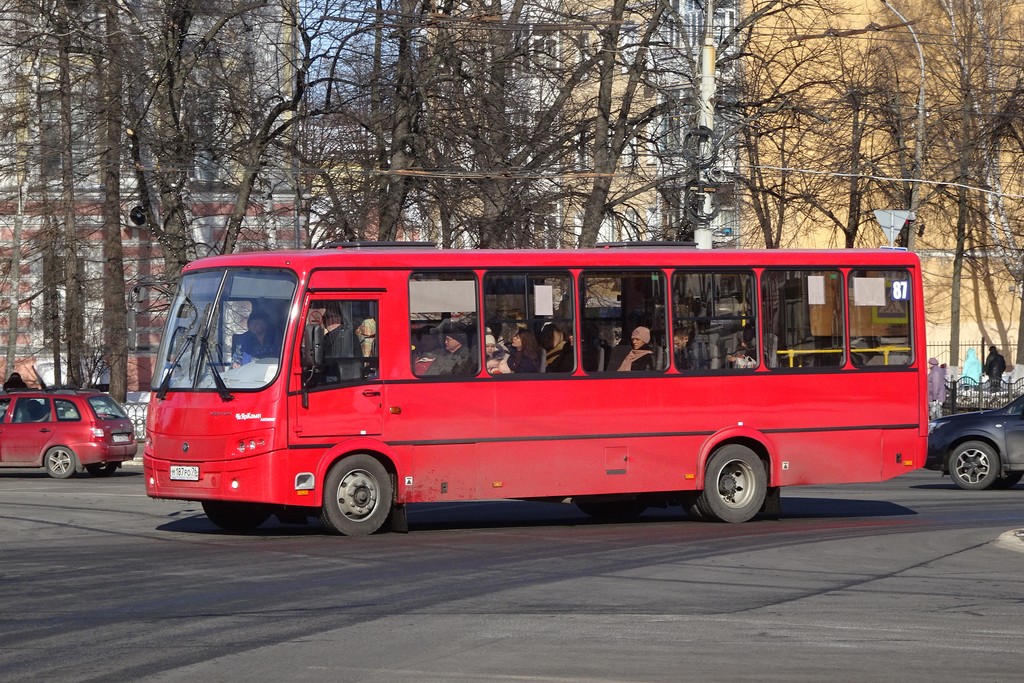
(357, 495)
(735, 484)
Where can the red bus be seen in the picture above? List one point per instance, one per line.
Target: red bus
(346, 383)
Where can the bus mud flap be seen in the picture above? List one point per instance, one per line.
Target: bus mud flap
(772, 506)
(397, 520)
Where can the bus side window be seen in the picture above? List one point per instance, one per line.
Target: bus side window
(540, 305)
(350, 346)
(614, 304)
(443, 324)
(714, 321)
(803, 316)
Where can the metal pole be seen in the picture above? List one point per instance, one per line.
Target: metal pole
(702, 234)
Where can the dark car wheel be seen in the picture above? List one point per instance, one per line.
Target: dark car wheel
(974, 465)
(61, 462)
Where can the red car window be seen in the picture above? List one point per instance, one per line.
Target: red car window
(67, 411)
(31, 410)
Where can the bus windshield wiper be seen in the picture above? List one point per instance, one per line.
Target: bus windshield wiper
(165, 383)
(204, 357)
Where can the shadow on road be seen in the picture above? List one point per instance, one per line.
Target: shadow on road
(525, 514)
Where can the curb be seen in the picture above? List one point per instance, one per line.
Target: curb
(1012, 540)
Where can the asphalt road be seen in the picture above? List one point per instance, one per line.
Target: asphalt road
(904, 579)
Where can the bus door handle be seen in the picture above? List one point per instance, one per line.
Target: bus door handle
(370, 392)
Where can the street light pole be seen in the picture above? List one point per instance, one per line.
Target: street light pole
(915, 188)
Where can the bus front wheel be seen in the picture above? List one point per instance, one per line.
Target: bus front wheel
(735, 485)
(357, 496)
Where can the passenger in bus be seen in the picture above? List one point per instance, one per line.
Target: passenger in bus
(743, 357)
(641, 353)
(424, 351)
(526, 356)
(689, 351)
(456, 359)
(366, 333)
(339, 347)
(493, 354)
(258, 342)
(559, 357)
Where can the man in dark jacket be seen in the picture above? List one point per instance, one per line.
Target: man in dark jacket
(995, 365)
(456, 359)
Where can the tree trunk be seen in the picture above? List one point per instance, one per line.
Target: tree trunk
(74, 331)
(115, 314)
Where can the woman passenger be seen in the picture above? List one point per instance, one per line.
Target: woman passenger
(559, 350)
(526, 354)
(641, 356)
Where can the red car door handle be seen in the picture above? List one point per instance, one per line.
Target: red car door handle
(44, 429)
(371, 392)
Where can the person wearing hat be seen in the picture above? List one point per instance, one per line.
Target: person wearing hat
(936, 387)
(456, 359)
(493, 353)
(641, 356)
(15, 382)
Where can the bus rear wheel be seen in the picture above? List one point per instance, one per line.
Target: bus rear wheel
(235, 516)
(735, 485)
(357, 496)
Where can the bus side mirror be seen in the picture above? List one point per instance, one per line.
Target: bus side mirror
(312, 348)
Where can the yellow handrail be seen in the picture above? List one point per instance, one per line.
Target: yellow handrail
(791, 354)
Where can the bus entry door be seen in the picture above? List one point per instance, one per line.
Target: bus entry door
(347, 396)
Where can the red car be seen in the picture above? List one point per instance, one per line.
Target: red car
(63, 429)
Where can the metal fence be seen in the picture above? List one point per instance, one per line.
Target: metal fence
(963, 395)
(137, 414)
(941, 350)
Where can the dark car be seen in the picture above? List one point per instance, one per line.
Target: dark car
(979, 450)
(64, 429)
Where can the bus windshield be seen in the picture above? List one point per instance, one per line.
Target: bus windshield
(225, 330)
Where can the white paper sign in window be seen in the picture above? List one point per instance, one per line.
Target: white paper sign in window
(543, 300)
(869, 291)
(442, 296)
(816, 290)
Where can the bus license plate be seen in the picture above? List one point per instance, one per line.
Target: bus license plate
(184, 473)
